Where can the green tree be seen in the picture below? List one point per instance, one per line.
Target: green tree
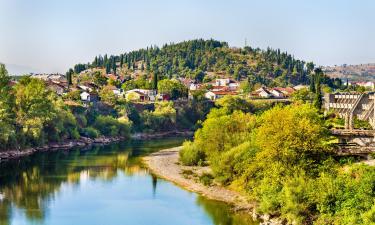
(7, 115)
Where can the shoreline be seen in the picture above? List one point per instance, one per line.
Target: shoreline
(86, 142)
(164, 164)
(65, 145)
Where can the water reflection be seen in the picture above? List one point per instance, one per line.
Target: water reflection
(31, 186)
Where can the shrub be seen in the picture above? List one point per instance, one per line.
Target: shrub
(109, 126)
(206, 179)
(91, 132)
(190, 155)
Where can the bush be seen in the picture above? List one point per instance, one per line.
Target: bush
(91, 132)
(109, 126)
(206, 179)
(190, 155)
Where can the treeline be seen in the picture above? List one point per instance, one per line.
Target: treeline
(269, 67)
(282, 159)
(32, 115)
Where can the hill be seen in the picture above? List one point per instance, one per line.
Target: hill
(204, 60)
(362, 72)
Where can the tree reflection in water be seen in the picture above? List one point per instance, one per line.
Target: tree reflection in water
(32, 182)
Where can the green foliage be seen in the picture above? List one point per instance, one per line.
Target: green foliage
(193, 59)
(190, 155)
(7, 115)
(173, 88)
(161, 119)
(282, 160)
(109, 126)
(91, 132)
(303, 95)
(233, 103)
(206, 179)
(106, 95)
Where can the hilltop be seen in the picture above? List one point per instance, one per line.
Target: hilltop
(203, 61)
(362, 72)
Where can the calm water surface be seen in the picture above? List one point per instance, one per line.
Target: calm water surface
(102, 186)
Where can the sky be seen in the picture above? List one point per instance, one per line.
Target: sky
(53, 35)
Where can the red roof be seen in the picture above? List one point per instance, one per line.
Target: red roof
(288, 90)
(224, 92)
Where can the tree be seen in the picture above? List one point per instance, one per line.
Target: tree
(106, 95)
(318, 101)
(34, 107)
(69, 75)
(173, 88)
(7, 115)
(99, 79)
(155, 81)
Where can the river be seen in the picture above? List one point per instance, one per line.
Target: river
(102, 185)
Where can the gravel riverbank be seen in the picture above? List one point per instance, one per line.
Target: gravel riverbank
(165, 165)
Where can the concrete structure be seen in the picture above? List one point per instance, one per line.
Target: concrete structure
(351, 105)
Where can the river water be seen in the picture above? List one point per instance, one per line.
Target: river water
(102, 186)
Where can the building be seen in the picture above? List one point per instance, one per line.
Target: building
(287, 92)
(277, 94)
(85, 96)
(262, 93)
(352, 105)
(141, 95)
(214, 95)
(226, 82)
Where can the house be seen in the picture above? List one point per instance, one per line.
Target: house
(214, 95)
(287, 92)
(277, 94)
(134, 95)
(226, 82)
(141, 95)
(85, 96)
(117, 91)
(162, 97)
(262, 93)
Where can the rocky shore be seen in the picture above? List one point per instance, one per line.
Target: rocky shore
(82, 142)
(86, 142)
(165, 165)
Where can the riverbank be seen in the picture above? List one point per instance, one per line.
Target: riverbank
(87, 142)
(82, 142)
(165, 165)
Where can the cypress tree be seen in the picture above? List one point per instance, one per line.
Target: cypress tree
(155, 81)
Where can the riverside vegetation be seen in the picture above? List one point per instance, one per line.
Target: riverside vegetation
(31, 115)
(282, 160)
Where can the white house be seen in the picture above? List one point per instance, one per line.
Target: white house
(214, 95)
(226, 82)
(144, 94)
(85, 96)
(262, 93)
(277, 94)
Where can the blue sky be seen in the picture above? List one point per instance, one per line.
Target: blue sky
(52, 35)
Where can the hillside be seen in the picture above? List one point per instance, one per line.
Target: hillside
(204, 60)
(362, 72)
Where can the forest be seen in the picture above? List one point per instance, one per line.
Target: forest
(194, 59)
